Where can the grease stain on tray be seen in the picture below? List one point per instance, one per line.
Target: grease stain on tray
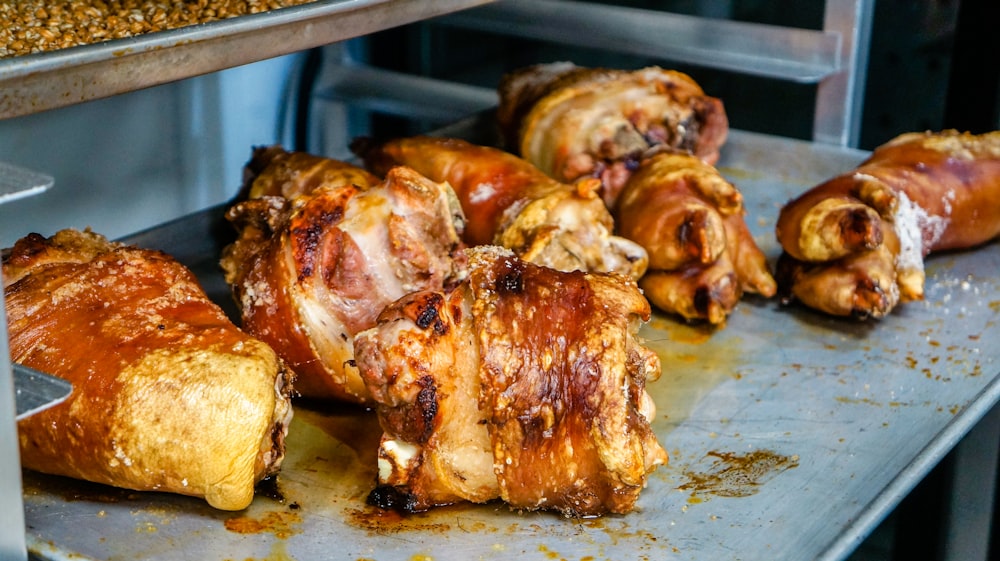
(282, 524)
(736, 475)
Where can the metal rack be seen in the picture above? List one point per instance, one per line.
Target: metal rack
(833, 58)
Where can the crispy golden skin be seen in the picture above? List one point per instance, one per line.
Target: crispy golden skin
(525, 384)
(168, 395)
(691, 221)
(509, 202)
(311, 271)
(855, 244)
(576, 122)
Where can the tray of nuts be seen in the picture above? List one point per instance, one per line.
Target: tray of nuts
(56, 54)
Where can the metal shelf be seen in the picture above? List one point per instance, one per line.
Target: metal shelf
(48, 80)
(834, 58)
(785, 53)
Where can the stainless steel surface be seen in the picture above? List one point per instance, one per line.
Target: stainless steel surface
(17, 182)
(44, 81)
(969, 509)
(36, 391)
(791, 434)
(837, 119)
(13, 545)
(798, 55)
(398, 93)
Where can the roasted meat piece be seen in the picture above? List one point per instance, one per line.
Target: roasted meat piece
(524, 383)
(691, 221)
(855, 244)
(168, 395)
(509, 202)
(576, 122)
(312, 270)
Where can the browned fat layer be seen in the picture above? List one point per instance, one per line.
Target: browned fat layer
(549, 310)
(310, 226)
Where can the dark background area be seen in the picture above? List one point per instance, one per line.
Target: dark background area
(932, 64)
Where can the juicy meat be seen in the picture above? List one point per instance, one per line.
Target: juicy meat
(509, 202)
(576, 122)
(524, 383)
(168, 395)
(855, 244)
(311, 271)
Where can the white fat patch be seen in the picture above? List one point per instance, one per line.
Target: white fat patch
(482, 192)
(915, 228)
(395, 455)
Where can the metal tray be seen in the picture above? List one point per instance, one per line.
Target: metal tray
(791, 434)
(47, 80)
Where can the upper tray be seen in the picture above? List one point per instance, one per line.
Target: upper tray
(48, 80)
(790, 433)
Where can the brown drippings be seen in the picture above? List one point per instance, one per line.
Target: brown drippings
(738, 475)
(377, 521)
(282, 524)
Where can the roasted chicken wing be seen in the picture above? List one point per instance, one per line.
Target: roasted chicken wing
(524, 383)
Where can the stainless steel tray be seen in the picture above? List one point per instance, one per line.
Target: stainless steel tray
(42, 81)
(791, 434)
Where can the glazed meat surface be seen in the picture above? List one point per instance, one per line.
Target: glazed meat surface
(855, 244)
(525, 384)
(576, 122)
(311, 271)
(691, 221)
(509, 202)
(168, 395)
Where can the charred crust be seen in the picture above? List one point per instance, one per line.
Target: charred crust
(512, 280)
(309, 236)
(278, 437)
(869, 300)
(388, 497)
(427, 404)
(428, 311)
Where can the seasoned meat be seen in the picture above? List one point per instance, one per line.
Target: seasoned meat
(311, 271)
(509, 202)
(168, 395)
(855, 244)
(524, 383)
